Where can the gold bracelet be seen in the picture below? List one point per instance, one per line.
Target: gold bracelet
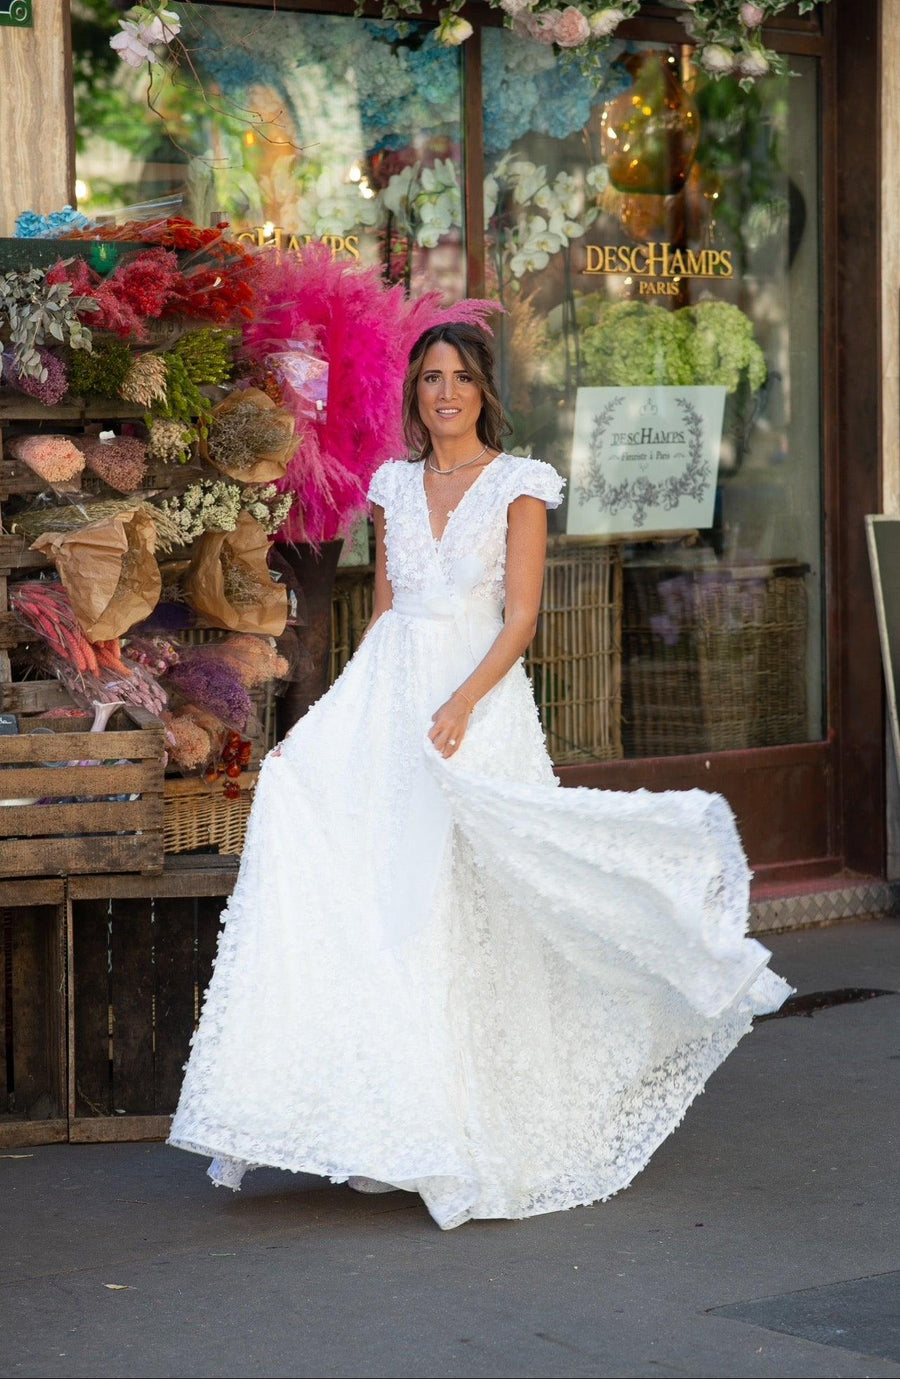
(467, 699)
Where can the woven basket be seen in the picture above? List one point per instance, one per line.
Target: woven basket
(197, 816)
(714, 657)
(574, 662)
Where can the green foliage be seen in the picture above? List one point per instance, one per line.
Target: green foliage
(38, 313)
(206, 355)
(101, 373)
(635, 344)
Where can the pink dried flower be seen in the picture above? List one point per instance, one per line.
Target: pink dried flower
(54, 458)
(120, 461)
(48, 391)
(190, 745)
(253, 659)
(571, 28)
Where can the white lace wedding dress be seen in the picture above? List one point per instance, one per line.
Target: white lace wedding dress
(456, 976)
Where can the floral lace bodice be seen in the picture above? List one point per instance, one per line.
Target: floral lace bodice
(476, 527)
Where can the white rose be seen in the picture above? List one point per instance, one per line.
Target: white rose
(516, 7)
(717, 59)
(753, 63)
(452, 31)
(605, 22)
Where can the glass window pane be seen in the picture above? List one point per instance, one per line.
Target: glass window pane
(293, 127)
(654, 238)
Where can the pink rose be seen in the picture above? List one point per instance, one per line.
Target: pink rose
(752, 15)
(571, 28)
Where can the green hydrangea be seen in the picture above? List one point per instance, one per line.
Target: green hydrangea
(637, 344)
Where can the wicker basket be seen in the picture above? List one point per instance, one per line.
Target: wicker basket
(197, 816)
(714, 657)
(574, 661)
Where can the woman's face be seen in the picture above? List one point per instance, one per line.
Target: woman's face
(449, 398)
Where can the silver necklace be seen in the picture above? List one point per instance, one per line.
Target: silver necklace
(434, 469)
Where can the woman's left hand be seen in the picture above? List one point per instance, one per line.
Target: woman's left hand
(449, 724)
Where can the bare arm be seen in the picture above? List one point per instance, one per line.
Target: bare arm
(526, 552)
(384, 594)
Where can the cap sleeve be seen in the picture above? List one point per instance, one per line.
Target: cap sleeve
(381, 483)
(538, 479)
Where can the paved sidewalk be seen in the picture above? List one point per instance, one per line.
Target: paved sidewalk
(762, 1240)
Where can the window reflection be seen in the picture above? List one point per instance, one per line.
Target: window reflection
(657, 254)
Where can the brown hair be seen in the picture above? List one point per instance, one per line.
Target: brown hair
(473, 347)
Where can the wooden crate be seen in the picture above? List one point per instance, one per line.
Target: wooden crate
(140, 954)
(32, 1013)
(86, 826)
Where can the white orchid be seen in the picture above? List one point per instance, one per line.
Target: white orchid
(596, 179)
(563, 195)
(528, 259)
(526, 180)
(396, 195)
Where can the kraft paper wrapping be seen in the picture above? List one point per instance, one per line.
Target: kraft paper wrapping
(109, 571)
(204, 583)
(268, 466)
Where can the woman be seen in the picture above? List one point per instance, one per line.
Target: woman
(439, 970)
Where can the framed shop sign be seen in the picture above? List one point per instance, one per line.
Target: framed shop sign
(16, 13)
(644, 458)
(883, 535)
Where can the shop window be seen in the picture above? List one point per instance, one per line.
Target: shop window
(654, 238)
(293, 127)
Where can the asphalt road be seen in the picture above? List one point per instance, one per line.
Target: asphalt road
(762, 1239)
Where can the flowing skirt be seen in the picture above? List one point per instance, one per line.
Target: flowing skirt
(456, 976)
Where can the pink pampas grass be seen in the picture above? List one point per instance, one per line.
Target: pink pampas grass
(364, 331)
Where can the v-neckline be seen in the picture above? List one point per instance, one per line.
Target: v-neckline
(438, 541)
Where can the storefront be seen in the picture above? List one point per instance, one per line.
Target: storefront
(690, 277)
